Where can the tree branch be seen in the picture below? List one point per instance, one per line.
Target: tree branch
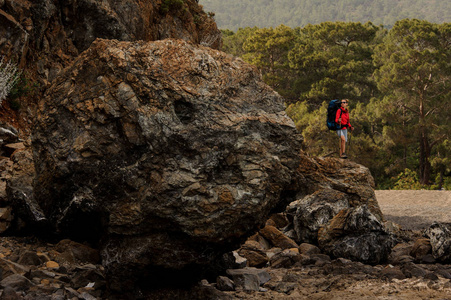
(411, 109)
(431, 111)
(437, 140)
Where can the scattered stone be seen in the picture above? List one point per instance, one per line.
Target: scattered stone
(420, 248)
(264, 244)
(224, 284)
(76, 252)
(279, 220)
(30, 258)
(305, 260)
(17, 282)
(10, 294)
(6, 218)
(52, 265)
(285, 287)
(285, 258)
(391, 272)
(428, 259)
(431, 276)
(277, 238)
(321, 259)
(255, 256)
(412, 270)
(88, 275)
(240, 262)
(309, 249)
(400, 254)
(249, 279)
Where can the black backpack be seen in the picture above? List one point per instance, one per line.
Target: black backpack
(334, 105)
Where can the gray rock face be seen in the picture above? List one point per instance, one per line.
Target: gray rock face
(356, 234)
(314, 211)
(169, 152)
(440, 238)
(14, 38)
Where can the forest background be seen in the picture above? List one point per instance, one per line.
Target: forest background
(396, 76)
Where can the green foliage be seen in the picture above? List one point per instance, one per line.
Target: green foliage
(233, 41)
(334, 60)
(407, 180)
(414, 72)
(23, 87)
(398, 82)
(171, 5)
(234, 14)
(268, 48)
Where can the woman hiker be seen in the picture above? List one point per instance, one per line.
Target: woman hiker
(342, 118)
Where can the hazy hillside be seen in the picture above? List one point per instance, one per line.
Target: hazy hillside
(233, 14)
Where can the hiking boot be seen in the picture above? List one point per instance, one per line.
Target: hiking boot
(344, 155)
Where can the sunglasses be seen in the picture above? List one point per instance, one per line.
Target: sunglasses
(344, 102)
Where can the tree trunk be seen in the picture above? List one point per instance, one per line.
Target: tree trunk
(425, 147)
(425, 153)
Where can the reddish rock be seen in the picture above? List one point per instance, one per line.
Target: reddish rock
(277, 238)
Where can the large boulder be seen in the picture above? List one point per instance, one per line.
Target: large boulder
(439, 235)
(328, 186)
(356, 234)
(169, 153)
(314, 211)
(337, 210)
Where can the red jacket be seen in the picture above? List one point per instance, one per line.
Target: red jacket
(344, 114)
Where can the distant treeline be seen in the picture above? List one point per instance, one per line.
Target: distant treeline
(234, 14)
(398, 81)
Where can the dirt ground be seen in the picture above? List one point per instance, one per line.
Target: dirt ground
(415, 210)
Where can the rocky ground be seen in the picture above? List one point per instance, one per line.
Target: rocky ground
(69, 270)
(322, 278)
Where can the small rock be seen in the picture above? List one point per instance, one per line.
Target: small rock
(30, 258)
(412, 270)
(240, 262)
(279, 220)
(399, 252)
(249, 279)
(305, 260)
(285, 259)
(75, 252)
(224, 284)
(9, 294)
(420, 248)
(285, 287)
(52, 264)
(431, 276)
(444, 273)
(17, 282)
(321, 259)
(254, 255)
(309, 249)
(277, 238)
(392, 273)
(428, 259)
